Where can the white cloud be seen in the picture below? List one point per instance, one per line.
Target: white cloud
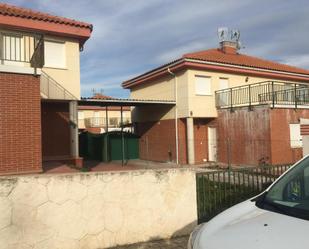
(297, 61)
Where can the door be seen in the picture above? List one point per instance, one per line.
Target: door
(212, 144)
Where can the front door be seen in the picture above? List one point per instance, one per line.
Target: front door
(212, 144)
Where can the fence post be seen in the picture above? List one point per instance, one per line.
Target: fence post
(249, 92)
(228, 151)
(295, 96)
(231, 93)
(273, 94)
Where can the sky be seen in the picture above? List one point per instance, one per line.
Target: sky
(131, 37)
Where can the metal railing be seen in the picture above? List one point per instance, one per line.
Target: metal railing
(101, 122)
(51, 89)
(219, 190)
(267, 92)
(22, 48)
(95, 122)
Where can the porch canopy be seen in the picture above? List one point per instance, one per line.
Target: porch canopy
(123, 102)
(106, 102)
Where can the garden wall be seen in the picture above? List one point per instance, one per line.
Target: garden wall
(95, 210)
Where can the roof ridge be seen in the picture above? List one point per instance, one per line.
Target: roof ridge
(242, 60)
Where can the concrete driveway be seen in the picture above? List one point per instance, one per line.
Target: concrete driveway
(176, 243)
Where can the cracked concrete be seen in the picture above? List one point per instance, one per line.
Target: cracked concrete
(96, 210)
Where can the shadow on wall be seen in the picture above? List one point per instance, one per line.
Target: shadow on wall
(150, 113)
(178, 240)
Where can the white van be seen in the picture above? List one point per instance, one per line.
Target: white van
(276, 219)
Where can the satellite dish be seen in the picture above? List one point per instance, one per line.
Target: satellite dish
(235, 35)
(223, 33)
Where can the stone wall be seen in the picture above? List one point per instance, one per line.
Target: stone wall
(95, 210)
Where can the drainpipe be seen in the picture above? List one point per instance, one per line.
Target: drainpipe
(176, 114)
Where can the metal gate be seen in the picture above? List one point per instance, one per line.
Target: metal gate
(219, 190)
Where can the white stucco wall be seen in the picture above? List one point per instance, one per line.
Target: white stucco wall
(95, 210)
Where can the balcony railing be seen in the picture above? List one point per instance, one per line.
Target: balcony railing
(268, 92)
(51, 89)
(101, 122)
(16, 48)
(95, 122)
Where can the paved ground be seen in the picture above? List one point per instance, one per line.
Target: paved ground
(176, 243)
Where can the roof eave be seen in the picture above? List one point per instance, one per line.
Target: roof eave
(213, 66)
(30, 25)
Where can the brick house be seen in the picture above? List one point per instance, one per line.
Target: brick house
(197, 129)
(39, 88)
(97, 119)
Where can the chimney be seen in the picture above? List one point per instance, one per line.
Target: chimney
(229, 47)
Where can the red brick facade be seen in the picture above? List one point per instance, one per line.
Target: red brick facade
(20, 124)
(281, 151)
(55, 130)
(157, 142)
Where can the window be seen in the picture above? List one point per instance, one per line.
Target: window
(290, 194)
(223, 98)
(54, 53)
(13, 49)
(295, 137)
(202, 85)
(223, 83)
(80, 115)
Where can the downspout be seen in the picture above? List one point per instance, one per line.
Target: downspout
(176, 113)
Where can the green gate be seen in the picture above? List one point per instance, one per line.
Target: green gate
(108, 146)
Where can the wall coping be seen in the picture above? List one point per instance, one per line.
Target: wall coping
(136, 172)
(19, 69)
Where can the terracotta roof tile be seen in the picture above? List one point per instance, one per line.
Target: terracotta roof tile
(217, 55)
(11, 10)
(101, 96)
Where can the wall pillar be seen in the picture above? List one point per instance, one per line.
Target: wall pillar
(304, 127)
(190, 140)
(74, 129)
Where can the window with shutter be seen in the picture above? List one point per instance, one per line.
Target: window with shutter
(295, 137)
(54, 53)
(202, 85)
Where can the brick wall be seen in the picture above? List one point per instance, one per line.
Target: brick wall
(55, 130)
(281, 150)
(157, 140)
(20, 124)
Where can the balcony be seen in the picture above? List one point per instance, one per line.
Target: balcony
(273, 93)
(100, 122)
(21, 49)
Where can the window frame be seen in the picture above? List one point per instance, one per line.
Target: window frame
(46, 65)
(295, 143)
(209, 93)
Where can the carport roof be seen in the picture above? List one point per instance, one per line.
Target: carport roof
(123, 102)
